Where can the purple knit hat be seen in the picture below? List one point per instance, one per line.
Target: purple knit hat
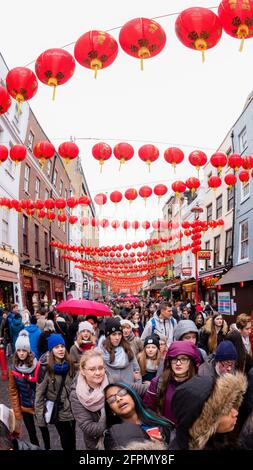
(183, 347)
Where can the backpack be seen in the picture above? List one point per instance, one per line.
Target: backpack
(153, 324)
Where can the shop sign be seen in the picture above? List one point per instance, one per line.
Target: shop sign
(204, 254)
(25, 272)
(209, 282)
(187, 271)
(224, 303)
(8, 261)
(58, 286)
(27, 283)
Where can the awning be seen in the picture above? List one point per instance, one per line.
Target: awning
(243, 272)
(212, 272)
(8, 276)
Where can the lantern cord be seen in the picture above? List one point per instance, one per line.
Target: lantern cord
(54, 92)
(242, 44)
(203, 57)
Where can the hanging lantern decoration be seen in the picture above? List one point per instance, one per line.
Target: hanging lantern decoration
(84, 200)
(68, 151)
(94, 222)
(160, 190)
(145, 192)
(49, 204)
(3, 154)
(115, 224)
(197, 159)
(230, 179)
(100, 199)
(178, 187)
(219, 161)
(131, 194)
(116, 197)
(174, 156)
(199, 29)
(43, 151)
(18, 153)
(244, 176)
(126, 225)
(104, 223)
(50, 216)
(96, 50)
(123, 152)
(135, 225)
(101, 152)
(193, 184)
(22, 84)
(72, 202)
(54, 67)
(62, 218)
(5, 100)
(186, 224)
(148, 153)
(142, 38)
(247, 162)
(84, 221)
(235, 161)
(73, 219)
(236, 17)
(145, 225)
(214, 182)
(156, 224)
(60, 204)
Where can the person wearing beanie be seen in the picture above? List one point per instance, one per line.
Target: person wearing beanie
(22, 387)
(85, 340)
(186, 330)
(135, 342)
(55, 386)
(149, 359)
(42, 343)
(34, 336)
(220, 363)
(181, 363)
(119, 358)
(206, 411)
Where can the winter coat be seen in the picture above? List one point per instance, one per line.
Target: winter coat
(135, 343)
(42, 343)
(34, 335)
(125, 374)
(15, 328)
(208, 369)
(61, 327)
(120, 436)
(205, 334)
(162, 328)
(198, 405)
(246, 435)
(76, 353)
(48, 390)
(22, 388)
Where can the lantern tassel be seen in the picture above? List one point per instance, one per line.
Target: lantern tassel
(95, 72)
(203, 56)
(241, 44)
(54, 92)
(142, 64)
(19, 107)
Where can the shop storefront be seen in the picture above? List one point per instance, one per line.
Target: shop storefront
(208, 287)
(27, 284)
(9, 280)
(58, 289)
(188, 290)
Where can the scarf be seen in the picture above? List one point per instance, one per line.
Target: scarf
(121, 359)
(151, 365)
(130, 337)
(24, 369)
(85, 346)
(61, 369)
(247, 345)
(92, 399)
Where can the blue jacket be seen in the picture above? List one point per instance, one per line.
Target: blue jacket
(16, 327)
(34, 335)
(22, 388)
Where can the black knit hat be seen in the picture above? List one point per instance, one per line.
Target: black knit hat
(153, 339)
(112, 325)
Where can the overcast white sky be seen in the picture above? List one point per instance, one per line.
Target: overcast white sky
(176, 99)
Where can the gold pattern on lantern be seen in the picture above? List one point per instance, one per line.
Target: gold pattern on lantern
(101, 37)
(153, 27)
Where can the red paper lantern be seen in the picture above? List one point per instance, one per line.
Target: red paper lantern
(94, 222)
(148, 153)
(156, 224)
(230, 180)
(3, 153)
(186, 224)
(218, 160)
(100, 199)
(142, 38)
(49, 204)
(178, 187)
(131, 194)
(60, 204)
(68, 151)
(145, 192)
(126, 225)
(236, 17)
(104, 223)
(62, 218)
(244, 176)
(39, 204)
(18, 153)
(96, 50)
(123, 152)
(115, 224)
(193, 184)
(84, 221)
(50, 216)
(135, 225)
(235, 161)
(54, 67)
(22, 84)
(214, 182)
(43, 151)
(72, 202)
(116, 197)
(101, 152)
(160, 190)
(5, 100)
(197, 159)
(73, 219)
(198, 28)
(247, 162)
(145, 225)
(84, 200)
(174, 156)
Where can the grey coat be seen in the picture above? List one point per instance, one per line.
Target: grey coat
(126, 374)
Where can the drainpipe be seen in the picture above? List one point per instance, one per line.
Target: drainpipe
(234, 203)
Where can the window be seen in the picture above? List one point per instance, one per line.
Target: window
(30, 140)
(207, 248)
(26, 178)
(46, 194)
(55, 178)
(228, 248)
(230, 199)
(37, 240)
(245, 190)
(49, 166)
(65, 266)
(244, 240)
(37, 189)
(53, 255)
(25, 234)
(219, 207)
(61, 187)
(243, 140)
(5, 226)
(209, 212)
(46, 247)
(216, 259)
(60, 262)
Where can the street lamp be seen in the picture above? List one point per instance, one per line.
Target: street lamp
(197, 211)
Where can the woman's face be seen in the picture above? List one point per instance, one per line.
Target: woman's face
(180, 365)
(22, 354)
(122, 406)
(94, 371)
(218, 321)
(115, 338)
(151, 351)
(85, 335)
(136, 316)
(246, 330)
(126, 330)
(199, 320)
(162, 346)
(190, 337)
(59, 351)
(227, 422)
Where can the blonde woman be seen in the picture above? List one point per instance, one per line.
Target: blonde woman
(149, 359)
(85, 340)
(213, 332)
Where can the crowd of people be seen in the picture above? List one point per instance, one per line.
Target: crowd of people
(155, 373)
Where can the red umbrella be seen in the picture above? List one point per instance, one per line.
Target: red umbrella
(84, 307)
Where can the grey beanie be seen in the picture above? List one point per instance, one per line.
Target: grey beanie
(126, 322)
(183, 327)
(86, 325)
(23, 341)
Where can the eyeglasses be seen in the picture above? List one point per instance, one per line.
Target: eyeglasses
(228, 364)
(181, 360)
(92, 370)
(113, 398)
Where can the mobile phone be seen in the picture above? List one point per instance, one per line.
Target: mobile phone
(153, 432)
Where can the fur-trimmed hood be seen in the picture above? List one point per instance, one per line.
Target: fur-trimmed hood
(199, 403)
(207, 327)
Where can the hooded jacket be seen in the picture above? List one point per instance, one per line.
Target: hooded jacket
(161, 327)
(188, 326)
(198, 405)
(16, 327)
(34, 335)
